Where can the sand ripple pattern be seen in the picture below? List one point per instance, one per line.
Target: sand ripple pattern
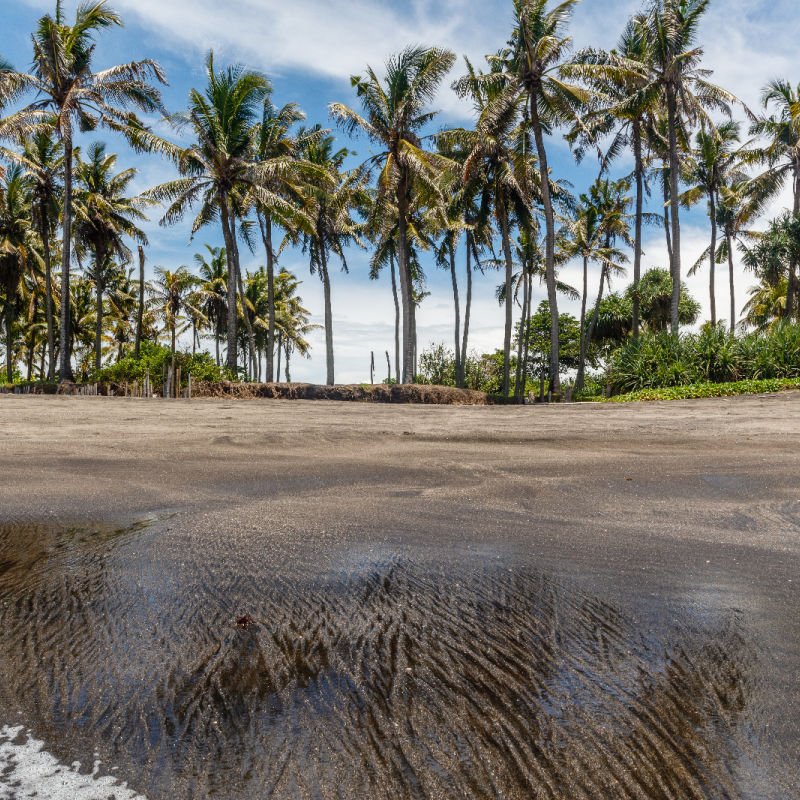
(387, 674)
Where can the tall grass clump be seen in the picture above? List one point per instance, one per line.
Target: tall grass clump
(714, 355)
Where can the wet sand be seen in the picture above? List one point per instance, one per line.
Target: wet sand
(582, 601)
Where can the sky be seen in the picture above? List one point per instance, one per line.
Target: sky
(310, 48)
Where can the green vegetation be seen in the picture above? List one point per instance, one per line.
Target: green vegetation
(486, 196)
(697, 390)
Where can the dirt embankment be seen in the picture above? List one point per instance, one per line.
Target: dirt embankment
(363, 393)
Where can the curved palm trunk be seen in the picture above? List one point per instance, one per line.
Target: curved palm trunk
(667, 234)
(251, 342)
(44, 232)
(140, 307)
(279, 344)
(713, 257)
(729, 245)
(396, 322)
(467, 309)
(503, 220)
(265, 224)
(582, 345)
(288, 351)
(65, 338)
(550, 248)
(637, 237)
(674, 206)
(326, 288)
(406, 292)
(454, 280)
(232, 354)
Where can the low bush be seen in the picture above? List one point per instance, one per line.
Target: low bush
(713, 355)
(698, 390)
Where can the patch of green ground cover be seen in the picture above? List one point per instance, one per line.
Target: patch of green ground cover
(698, 390)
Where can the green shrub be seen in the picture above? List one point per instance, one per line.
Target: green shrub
(713, 355)
(698, 390)
(155, 358)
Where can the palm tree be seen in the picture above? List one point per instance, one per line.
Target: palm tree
(623, 99)
(213, 286)
(498, 157)
(219, 170)
(283, 199)
(170, 293)
(15, 249)
(782, 153)
(395, 112)
(714, 163)
(674, 58)
(104, 217)
(533, 62)
(333, 227)
(41, 157)
(69, 94)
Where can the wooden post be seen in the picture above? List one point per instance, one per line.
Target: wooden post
(189, 387)
(177, 381)
(388, 367)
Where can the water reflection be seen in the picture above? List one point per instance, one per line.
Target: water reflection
(402, 676)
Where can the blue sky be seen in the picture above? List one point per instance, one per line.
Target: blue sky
(309, 48)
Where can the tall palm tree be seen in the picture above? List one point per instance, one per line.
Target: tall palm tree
(534, 61)
(282, 200)
(715, 162)
(499, 159)
(42, 159)
(104, 217)
(219, 171)
(15, 249)
(170, 292)
(396, 110)
(672, 30)
(782, 153)
(623, 98)
(213, 286)
(70, 94)
(332, 226)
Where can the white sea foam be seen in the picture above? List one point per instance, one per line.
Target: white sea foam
(27, 770)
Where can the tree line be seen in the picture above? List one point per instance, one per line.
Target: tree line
(483, 193)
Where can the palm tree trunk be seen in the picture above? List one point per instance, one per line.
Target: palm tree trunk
(278, 365)
(9, 357)
(637, 237)
(665, 187)
(550, 247)
(674, 201)
(792, 289)
(326, 288)
(467, 309)
(519, 384)
(396, 322)
(406, 289)
(266, 235)
(232, 355)
(592, 326)
(582, 345)
(98, 330)
(65, 338)
(44, 232)
(527, 332)
(713, 257)
(140, 308)
(288, 351)
(246, 314)
(503, 220)
(217, 336)
(173, 326)
(729, 245)
(454, 280)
